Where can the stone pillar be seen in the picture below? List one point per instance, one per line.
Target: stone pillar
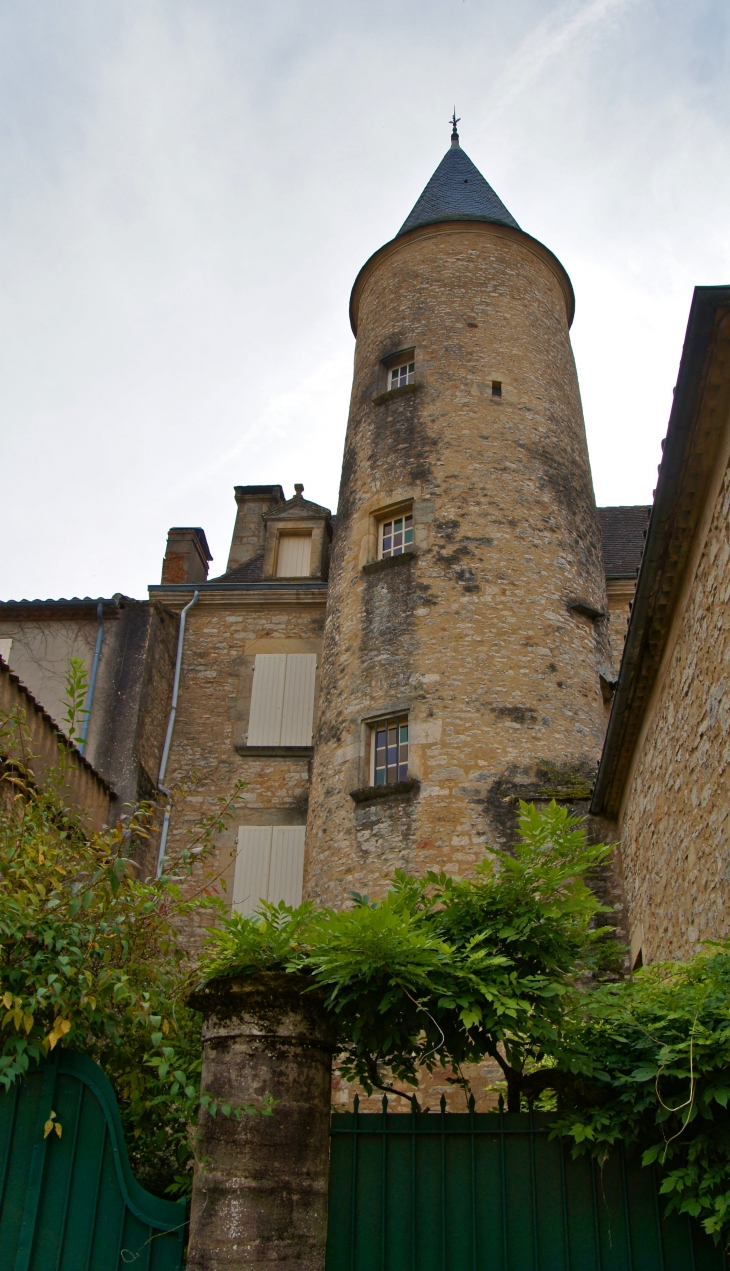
(260, 1189)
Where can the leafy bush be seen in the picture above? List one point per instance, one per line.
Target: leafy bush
(90, 958)
(444, 970)
(651, 1063)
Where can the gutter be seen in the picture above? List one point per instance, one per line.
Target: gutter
(92, 681)
(170, 727)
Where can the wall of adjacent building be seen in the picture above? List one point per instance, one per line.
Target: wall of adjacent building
(676, 821)
(225, 630)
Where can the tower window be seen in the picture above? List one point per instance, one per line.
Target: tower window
(394, 535)
(390, 751)
(496, 388)
(401, 375)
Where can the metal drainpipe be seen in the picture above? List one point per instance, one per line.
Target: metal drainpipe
(92, 681)
(168, 738)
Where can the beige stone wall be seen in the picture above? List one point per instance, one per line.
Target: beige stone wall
(474, 634)
(620, 593)
(224, 632)
(675, 830)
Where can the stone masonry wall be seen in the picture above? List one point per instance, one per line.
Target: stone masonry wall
(675, 832)
(224, 632)
(475, 634)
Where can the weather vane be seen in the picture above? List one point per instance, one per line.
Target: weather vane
(454, 121)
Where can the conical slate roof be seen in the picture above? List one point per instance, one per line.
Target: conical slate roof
(457, 191)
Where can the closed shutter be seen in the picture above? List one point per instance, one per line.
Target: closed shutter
(5, 647)
(269, 866)
(282, 699)
(253, 858)
(287, 864)
(267, 699)
(294, 557)
(298, 712)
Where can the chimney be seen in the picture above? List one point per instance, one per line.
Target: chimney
(248, 532)
(186, 557)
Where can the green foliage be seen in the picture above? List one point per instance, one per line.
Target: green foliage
(443, 970)
(90, 958)
(77, 687)
(651, 1058)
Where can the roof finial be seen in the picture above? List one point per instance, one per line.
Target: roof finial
(454, 134)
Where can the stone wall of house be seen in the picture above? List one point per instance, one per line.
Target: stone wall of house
(489, 634)
(676, 826)
(224, 632)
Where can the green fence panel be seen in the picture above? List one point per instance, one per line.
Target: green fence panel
(493, 1192)
(72, 1203)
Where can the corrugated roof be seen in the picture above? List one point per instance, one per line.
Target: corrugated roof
(457, 191)
(624, 534)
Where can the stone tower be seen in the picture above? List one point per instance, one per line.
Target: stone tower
(465, 633)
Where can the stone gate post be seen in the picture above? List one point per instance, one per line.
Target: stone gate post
(260, 1187)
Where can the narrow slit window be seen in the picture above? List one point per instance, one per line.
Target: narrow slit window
(496, 388)
(395, 535)
(390, 750)
(402, 375)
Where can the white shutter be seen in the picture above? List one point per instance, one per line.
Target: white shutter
(294, 557)
(267, 700)
(269, 866)
(287, 864)
(253, 860)
(5, 647)
(298, 712)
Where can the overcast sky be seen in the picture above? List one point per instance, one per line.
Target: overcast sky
(190, 187)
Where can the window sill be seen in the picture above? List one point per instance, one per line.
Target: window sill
(393, 393)
(274, 752)
(367, 793)
(375, 566)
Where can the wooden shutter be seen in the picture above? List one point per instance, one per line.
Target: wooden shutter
(5, 647)
(298, 712)
(253, 860)
(269, 866)
(287, 864)
(294, 557)
(267, 700)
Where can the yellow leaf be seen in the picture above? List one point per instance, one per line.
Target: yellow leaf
(47, 1129)
(58, 1128)
(28, 1021)
(51, 1039)
(7, 1001)
(65, 1026)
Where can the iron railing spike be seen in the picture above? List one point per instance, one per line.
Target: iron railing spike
(471, 1103)
(385, 1103)
(500, 1103)
(443, 1103)
(356, 1103)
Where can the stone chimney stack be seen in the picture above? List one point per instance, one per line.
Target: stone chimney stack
(248, 532)
(186, 556)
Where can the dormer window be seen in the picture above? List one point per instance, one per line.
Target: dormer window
(399, 376)
(394, 535)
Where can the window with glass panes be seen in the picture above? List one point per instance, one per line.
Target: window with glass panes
(390, 750)
(395, 534)
(400, 375)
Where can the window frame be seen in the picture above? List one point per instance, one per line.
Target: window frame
(403, 513)
(400, 720)
(409, 367)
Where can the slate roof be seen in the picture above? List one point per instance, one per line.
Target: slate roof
(624, 534)
(251, 571)
(457, 191)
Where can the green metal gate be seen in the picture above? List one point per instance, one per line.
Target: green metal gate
(493, 1192)
(71, 1203)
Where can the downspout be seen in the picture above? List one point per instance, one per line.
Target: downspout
(92, 681)
(168, 738)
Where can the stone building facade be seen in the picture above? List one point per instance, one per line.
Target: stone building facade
(664, 774)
